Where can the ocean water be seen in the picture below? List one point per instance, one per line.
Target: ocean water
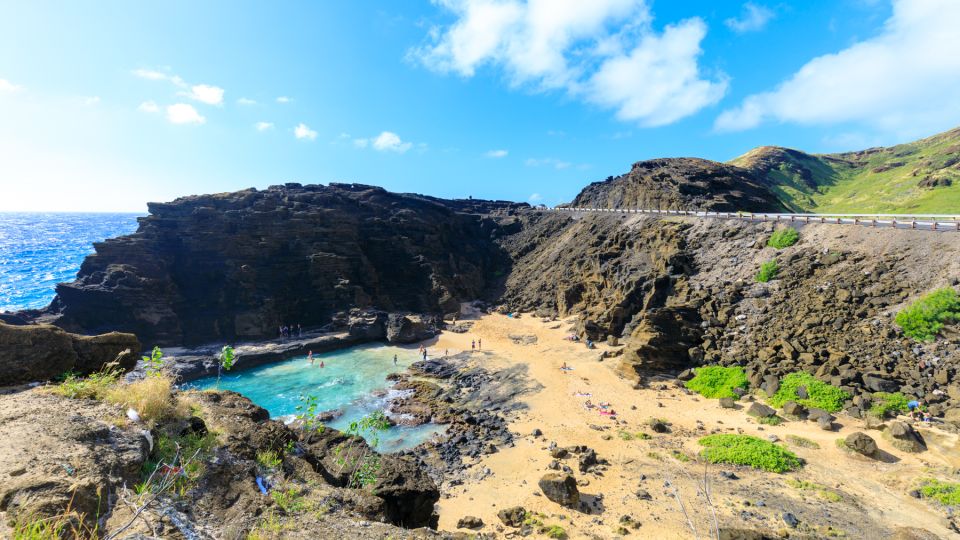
(39, 250)
(352, 380)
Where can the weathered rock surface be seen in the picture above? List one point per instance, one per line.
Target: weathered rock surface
(40, 352)
(239, 265)
(903, 437)
(560, 488)
(861, 443)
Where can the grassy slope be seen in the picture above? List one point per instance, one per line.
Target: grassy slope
(875, 180)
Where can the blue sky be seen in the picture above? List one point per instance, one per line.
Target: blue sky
(106, 105)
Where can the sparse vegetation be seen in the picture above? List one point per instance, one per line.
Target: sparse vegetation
(628, 436)
(225, 361)
(945, 493)
(768, 271)
(268, 459)
(924, 319)
(307, 413)
(363, 462)
(150, 397)
(819, 394)
(93, 386)
(748, 450)
(680, 456)
(718, 381)
(770, 420)
(290, 500)
(802, 442)
(822, 491)
(888, 404)
(179, 458)
(555, 531)
(783, 238)
(153, 364)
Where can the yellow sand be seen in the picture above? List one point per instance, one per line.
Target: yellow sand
(881, 487)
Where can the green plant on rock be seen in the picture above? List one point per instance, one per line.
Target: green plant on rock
(153, 364)
(768, 271)
(887, 404)
(748, 450)
(924, 319)
(290, 500)
(93, 386)
(225, 361)
(362, 461)
(268, 459)
(718, 381)
(819, 394)
(783, 238)
(555, 531)
(945, 493)
(307, 412)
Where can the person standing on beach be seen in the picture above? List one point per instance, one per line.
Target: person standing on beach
(473, 345)
(394, 359)
(479, 344)
(424, 353)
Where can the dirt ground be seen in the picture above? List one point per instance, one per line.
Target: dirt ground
(873, 494)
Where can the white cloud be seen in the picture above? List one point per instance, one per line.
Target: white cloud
(246, 101)
(90, 101)
(389, 141)
(183, 113)
(8, 87)
(547, 162)
(205, 93)
(302, 131)
(284, 99)
(902, 81)
(361, 143)
(149, 107)
(496, 154)
(603, 51)
(752, 19)
(535, 197)
(264, 126)
(151, 75)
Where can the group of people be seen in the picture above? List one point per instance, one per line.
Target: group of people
(291, 331)
(476, 345)
(310, 358)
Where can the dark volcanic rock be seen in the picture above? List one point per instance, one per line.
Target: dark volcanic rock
(861, 443)
(682, 184)
(239, 265)
(513, 516)
(560, 488)
(40, 352)
(904, 437)
(410, 328)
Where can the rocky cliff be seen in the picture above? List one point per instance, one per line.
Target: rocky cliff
(239, 265)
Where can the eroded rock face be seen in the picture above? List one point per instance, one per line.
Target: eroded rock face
(560, 488)
(239, 265)
(40, 352)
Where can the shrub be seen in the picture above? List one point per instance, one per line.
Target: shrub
(268, 459)
(748, 450)
(945, 493)
(151, 397)
(768, 271)
(94, 386)
(290, 500)
(923, 319)
(555, 531)
(825, 493)
(885, 403)
(783, 238)
(802, 442)
(718, 382)
(821, 395)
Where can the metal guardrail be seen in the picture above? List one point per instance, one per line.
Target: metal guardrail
(927, 222)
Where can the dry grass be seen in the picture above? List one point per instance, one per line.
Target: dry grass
(150, 397)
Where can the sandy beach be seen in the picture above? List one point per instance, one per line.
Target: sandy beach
(873, 495)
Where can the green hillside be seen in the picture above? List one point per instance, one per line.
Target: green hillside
(918, 177)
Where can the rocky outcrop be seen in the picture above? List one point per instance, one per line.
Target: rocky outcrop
(240, 265)
(682, 184)
(41, 352)
(560, 488)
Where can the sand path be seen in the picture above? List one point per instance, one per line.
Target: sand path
(875, 489)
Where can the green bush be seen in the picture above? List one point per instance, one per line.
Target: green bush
(945, 493)
(768, 271)
(925, 317)
(748, 450)
(821, 395)
(885, 403)
(94, 386)
(783, 238)
(718, 382)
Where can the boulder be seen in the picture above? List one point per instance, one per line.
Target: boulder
(41, 352)
(861, 443)
(794, 409)
(560, 488)
(877, 382)
(903, 437)
(759, 410)
(513, 516)
(409, 328)
(470, 522)
(727, 403)
(952, 416)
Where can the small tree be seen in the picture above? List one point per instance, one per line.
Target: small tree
(154, 363)
(226, 359)
(307, 413)
(364, 464)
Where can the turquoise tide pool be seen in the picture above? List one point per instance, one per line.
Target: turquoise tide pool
(352, 380)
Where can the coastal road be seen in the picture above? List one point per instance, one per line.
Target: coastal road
(923, 222)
